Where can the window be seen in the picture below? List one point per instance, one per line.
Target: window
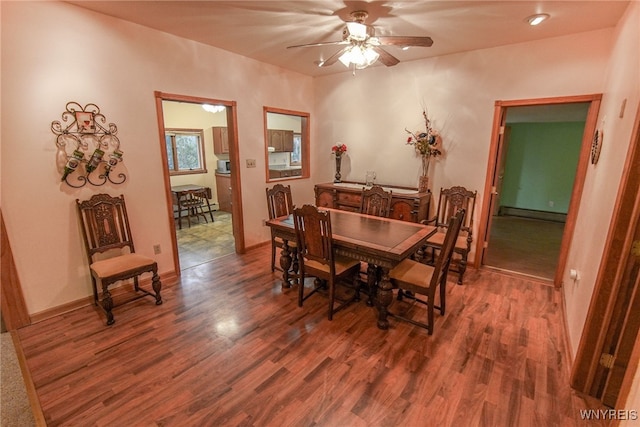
(185, 151)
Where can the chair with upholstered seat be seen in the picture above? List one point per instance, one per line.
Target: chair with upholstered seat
(279, 204)
(413, 277)
(374, 201)
(110, 250)
(318, 259)
(451, 200)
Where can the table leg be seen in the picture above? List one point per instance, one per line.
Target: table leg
(285, 264)
(384, 297)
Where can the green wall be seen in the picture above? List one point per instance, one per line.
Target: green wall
(541, 165)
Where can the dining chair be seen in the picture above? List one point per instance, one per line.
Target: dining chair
(280, 203)
(451, 200)
(318, 259)
(413, 277)
(376, 201)
(110, 251)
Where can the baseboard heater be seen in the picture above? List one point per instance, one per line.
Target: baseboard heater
(533, 214)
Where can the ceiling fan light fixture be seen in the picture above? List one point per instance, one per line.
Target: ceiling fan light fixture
(537, 19)
(359, 56)
(357, 31)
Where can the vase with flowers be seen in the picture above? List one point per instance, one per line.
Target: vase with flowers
(427, 145)
(338, 150)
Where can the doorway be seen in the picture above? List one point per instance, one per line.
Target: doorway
(497, 167)
(214, 228)
(536, 172)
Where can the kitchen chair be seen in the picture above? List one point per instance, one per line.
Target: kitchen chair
(110, 251)
(450, 201)
(318, 259)
(280, 203)
(413, 277)
(193, 203)
(375, 201)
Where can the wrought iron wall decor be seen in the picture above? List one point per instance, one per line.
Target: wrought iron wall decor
(87, 149)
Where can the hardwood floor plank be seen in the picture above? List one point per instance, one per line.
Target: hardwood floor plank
(229, 346)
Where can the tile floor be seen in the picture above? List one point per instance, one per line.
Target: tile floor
(205, 241)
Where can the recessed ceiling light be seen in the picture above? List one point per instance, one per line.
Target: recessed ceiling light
(537, 19)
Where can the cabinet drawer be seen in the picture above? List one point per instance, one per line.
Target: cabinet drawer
(348, 199)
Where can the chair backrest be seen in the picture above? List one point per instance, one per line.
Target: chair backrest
(313, 231)
(444, 258)
(453, 199)
(105, 225)
(375, 201)
(279, 201)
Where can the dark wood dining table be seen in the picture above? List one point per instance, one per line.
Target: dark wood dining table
(382, 242)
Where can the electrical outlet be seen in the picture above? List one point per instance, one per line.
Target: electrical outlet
(157, 249)
(251, 163)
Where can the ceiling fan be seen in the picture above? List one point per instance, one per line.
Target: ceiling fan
(362, 47)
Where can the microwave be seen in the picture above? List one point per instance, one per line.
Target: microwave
(224, 166)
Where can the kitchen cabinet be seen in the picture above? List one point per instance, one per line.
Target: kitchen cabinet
(280, 140)
(220, 140)
(223, 187)
(406, 204)
(284, 173)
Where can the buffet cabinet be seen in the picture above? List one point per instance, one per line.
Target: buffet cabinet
(406, 204)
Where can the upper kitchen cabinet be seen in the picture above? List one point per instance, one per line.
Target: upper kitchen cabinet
(281, 140)
(220, 140)
(287, 144)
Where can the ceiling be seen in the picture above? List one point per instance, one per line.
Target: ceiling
(262, 30)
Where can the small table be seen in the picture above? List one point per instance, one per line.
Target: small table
(183, 191)
(379, 241)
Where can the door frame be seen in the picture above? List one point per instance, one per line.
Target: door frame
(585, 370)
(236, 191)
(495, 150)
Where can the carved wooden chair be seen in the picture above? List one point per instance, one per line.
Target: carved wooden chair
(110, 250)
(375, 201)
(318, 259)
(413, 277)
(451, 200)
(280, 203)
(193, 202)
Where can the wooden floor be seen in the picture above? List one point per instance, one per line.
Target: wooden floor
(230, 347)
(524, 245)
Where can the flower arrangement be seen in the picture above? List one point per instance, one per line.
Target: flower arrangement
(339, 149)
(427, 144)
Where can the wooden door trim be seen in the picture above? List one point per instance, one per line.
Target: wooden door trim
(236, 194)
(14, 308)
(609, 277)
(578, 185)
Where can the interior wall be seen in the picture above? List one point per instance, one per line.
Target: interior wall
(55, 52)
(541, 164)
(621, 85)
(370, 111)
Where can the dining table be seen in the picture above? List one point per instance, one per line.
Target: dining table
(181, 192)
(380, 242)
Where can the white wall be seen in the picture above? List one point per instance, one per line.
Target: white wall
(370, 111)
(53, 53)
(622, 82)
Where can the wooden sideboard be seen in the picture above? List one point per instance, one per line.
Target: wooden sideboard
(406, 203)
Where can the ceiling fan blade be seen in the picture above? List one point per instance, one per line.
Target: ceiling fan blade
(385, 57)
(405, 41)
(318, 44)
(333, 58)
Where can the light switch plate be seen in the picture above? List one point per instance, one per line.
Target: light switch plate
(251, 163)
